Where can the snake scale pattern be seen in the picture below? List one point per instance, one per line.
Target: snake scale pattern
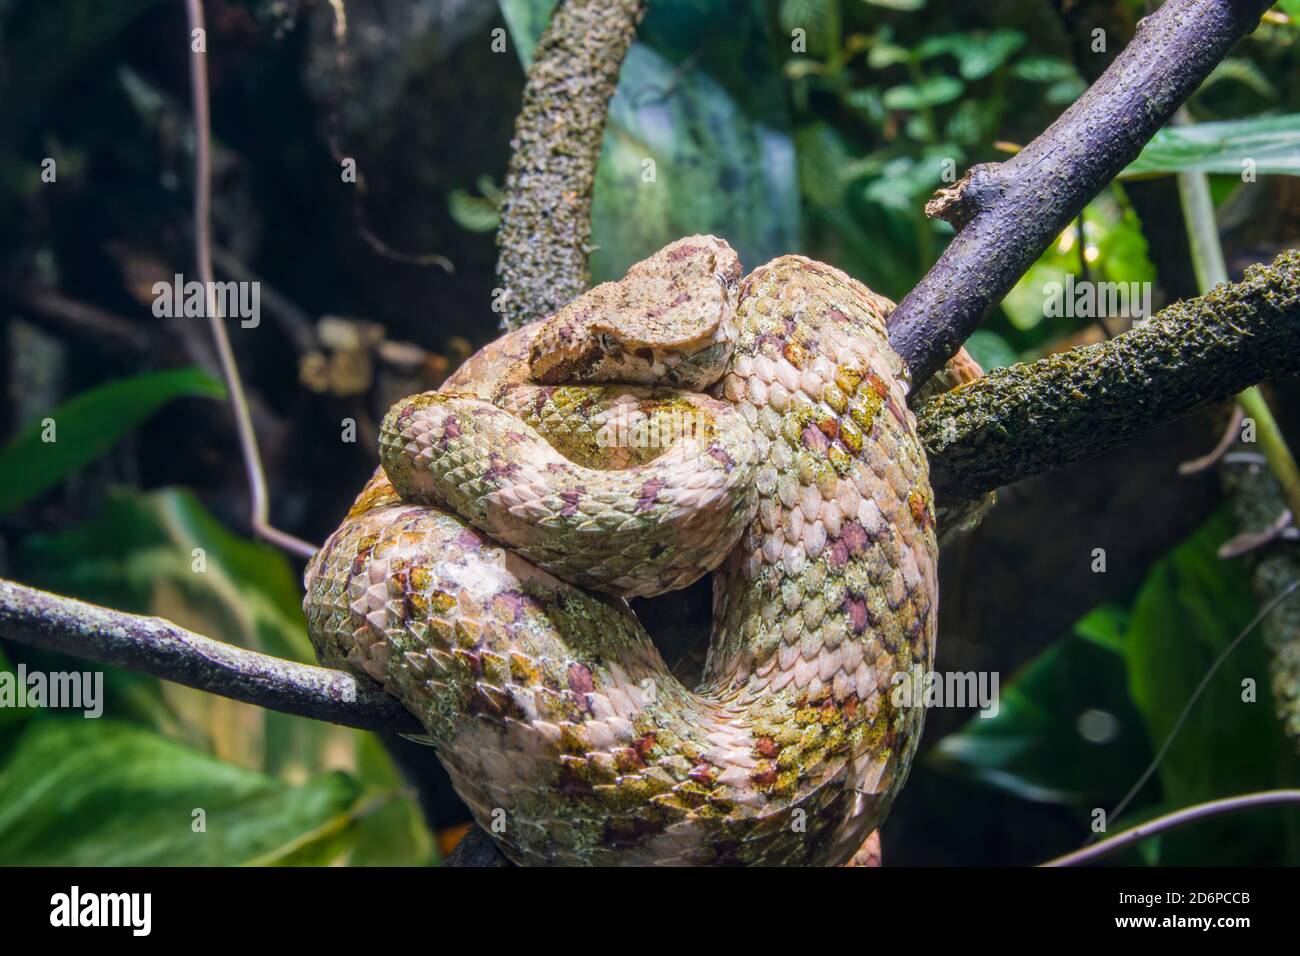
(481, 575)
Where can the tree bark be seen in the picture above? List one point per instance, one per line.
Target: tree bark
(1007, 214)
(1033, 417)
(545, 228)
(163, 649)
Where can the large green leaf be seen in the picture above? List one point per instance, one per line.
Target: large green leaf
(138, 554)
(1190, 608)
(162, 553)
(85, 427)
(707, 107)
(1066, 731)
(98, 793)
(1271, 143)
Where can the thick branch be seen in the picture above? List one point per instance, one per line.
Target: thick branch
(154, 646)
(546, 218)
(1030, 418)
(1007, 213)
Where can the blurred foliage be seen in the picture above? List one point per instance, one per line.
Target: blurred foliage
(1079, 725)
(162, 554)
(1260, 145)
(85, 427)
(699, 113)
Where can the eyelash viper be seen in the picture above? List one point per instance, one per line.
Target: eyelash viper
(454, 579)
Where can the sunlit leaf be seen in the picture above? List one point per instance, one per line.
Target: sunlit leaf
(98, 793)
(1267, 144)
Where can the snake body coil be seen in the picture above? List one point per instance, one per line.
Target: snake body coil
(454, 580)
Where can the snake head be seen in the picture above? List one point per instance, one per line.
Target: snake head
(667, 322)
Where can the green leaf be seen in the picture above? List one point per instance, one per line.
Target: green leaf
(473, 213)
(1271, 143)
(1044, 69)
(1066, 731)
(162, 553)
(990, 350)
(985, 53)
(97, 793)
(1188, 611)
(897, 4)
(819, 19)
(1105, 626)
(1241, 70)
(932, 92)
(526, 20)
(85, 427)
(715, 128)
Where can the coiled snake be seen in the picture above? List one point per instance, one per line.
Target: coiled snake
(481, 574)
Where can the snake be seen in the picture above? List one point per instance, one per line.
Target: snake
(684, 420)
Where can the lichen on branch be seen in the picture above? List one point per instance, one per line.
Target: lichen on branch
(546, 217)
(1030, 418)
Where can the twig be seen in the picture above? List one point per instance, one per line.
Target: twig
(1030, 418)
(546, 214)
(154, 646)
(260, 500)
(112, 333)
(1211, 270)
(1263, 613)
(1170, 821)
(1006, 214)
(1226, 441)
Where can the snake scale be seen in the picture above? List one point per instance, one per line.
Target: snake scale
(481, 574)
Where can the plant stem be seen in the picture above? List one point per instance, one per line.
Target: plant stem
(1211, 270)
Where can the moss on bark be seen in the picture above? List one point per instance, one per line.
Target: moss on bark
(1030, 418)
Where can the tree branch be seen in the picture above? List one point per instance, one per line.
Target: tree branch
(546, 217)
(1007, 214)
(1171, 821)
(154, 646)
(1036, 416)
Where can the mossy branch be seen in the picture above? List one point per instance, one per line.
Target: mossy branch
(1007, 214)
(546, 217)
(1030, 418)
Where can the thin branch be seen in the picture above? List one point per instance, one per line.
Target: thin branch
(1029, 418)
(1263, 613)
(154, 646)
(115, 335)
(1007, 214)
(546, 216)
(1171, 821)
(260, 503)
